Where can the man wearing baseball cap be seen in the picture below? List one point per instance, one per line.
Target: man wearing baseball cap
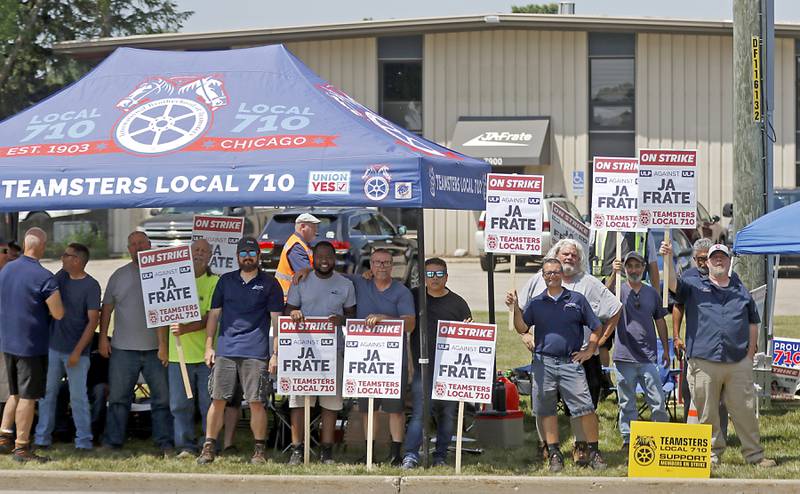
(243, 304)
(296, 254)
(635, 349)
(721, 340)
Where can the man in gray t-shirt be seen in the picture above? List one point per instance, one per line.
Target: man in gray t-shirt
(323, 293)
(135, 349)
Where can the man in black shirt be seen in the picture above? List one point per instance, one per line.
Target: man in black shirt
(443, 305)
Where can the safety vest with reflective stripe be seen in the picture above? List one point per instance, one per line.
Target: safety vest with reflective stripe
(605, 251)
(285, 273)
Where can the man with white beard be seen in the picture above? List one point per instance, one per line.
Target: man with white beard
(604, 305)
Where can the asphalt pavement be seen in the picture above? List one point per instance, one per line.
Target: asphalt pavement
(468, 280)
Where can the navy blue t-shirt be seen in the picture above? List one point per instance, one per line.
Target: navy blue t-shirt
(635, 337)
(558, 330)
(79, 297)
(24, 317)
(245, 320)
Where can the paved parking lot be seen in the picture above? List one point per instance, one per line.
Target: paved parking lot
(468, 280)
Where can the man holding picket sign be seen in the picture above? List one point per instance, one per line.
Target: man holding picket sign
(324, 293)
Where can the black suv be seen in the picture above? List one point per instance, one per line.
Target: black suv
(354, 233)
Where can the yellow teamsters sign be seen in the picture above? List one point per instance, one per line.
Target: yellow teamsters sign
(661, 449)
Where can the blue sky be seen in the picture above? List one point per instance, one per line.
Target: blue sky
(214, 15)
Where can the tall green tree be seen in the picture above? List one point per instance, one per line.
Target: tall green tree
(535, 8)
(30, 71)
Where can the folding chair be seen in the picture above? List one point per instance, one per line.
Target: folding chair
(669, 383)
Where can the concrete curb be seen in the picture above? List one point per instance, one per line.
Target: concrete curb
(99, 482)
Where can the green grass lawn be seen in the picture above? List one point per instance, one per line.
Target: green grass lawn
(780, 433)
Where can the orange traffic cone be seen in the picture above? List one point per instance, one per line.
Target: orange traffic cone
(692, 417)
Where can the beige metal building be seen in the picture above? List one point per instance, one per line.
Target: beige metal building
(607, 86)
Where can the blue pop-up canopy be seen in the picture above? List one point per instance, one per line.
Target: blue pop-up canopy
(774, 233)
(252, 126)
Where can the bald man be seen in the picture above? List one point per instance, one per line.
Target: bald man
(193, 341)
(30, 301)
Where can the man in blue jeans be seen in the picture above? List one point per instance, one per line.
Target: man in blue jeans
(70, 344)
(442, 305)
(635, 350)
(135, 348)
(558, 316)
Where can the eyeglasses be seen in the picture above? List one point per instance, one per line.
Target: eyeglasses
(248, 253)
(435, 274)
(549, 274)
(382, 263)
(701, 258)
(636, 303)
(66, 254)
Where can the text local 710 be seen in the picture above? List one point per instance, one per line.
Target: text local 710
(667, 188)
(464, 362)
(514, 213)
(307, 356)
(168, 286)
(373, 359)
(223, 234)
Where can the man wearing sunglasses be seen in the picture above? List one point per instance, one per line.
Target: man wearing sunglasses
(442, 305)
(244, 304)
(635, 349)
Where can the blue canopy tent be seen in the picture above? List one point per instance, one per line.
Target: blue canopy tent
(759, 237)
(241, 127)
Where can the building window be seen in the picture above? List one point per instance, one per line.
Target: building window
(400, 75)
(612, 95)
(400, 97)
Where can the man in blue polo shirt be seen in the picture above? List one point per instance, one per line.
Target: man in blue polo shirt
(558, 316)
(721, 341)
(29, 297)
(244, 304)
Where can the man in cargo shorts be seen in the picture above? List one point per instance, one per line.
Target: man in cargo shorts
(244, 301)
(323, 293)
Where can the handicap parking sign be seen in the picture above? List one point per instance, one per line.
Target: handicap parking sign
(578, 183)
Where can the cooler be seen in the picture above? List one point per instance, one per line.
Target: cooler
(500, 429)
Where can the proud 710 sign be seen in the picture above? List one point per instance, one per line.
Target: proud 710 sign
(514, 214)
(667, 188)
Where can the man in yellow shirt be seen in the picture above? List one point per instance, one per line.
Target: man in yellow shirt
(193, 340)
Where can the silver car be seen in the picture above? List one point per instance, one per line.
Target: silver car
(523, 260)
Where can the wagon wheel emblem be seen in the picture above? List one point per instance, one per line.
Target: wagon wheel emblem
(376, 188)
(644, 454)
(162, 125)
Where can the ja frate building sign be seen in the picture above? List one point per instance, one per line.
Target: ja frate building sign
(615, 194)
(223, 234)
(665, 449)
(667, 188)
(168, 286)
(514, 214)
(307, 357)
(464, 363)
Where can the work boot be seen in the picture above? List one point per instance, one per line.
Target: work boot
(24, 455)
(259, 457)
(326, 454)
(580, 453)
(765, 463)
(208, 454)
(6, 443)
(395, 458)
(556, 462)
(596, 461)
(296, 457)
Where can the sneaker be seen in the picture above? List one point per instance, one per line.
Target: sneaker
(409, 463)
(298, 455)
(556, 462)
(439, 462)
(580, 453)
(326, 454)
(208, 454)
(258, 457)
(6, 443)
(766, 463)
(597, 462)
(184, 454)
(24, 455)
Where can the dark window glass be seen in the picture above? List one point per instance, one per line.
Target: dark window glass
(384, 226)
(612, 144)
(400, 47)
(401, 93)
(612, 44)
(612, 81)
(282, 225)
